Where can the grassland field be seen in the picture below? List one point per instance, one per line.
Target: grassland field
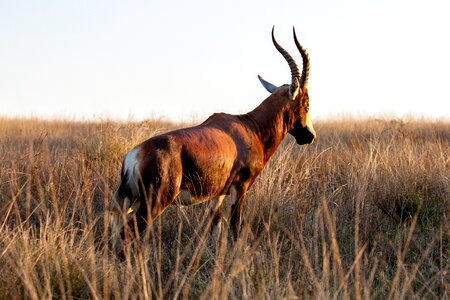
(362, 213)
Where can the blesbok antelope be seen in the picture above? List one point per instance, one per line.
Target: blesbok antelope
(222, 156)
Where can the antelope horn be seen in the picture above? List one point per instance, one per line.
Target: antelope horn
(305, 57)
(295, 73)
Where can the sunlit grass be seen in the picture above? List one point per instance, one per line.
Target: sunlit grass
(361, 213)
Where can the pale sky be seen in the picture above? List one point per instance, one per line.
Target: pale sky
(184, 60)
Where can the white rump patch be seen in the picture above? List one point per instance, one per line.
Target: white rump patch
(130, 166)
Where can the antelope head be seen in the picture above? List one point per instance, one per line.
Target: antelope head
(301, 127)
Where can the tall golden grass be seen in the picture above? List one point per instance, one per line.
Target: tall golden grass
(361, 213)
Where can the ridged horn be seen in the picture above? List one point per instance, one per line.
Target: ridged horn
(295, 73)
(305, 57)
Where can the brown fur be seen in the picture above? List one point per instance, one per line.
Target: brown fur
(225, 152)
(208, 159)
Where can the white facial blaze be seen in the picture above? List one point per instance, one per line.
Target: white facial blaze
(309, 125)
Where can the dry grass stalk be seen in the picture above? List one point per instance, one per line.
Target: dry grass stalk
(362, 213)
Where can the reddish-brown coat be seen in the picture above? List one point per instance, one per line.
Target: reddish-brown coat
(222, 155)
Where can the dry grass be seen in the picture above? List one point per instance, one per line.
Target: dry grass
(362, 213)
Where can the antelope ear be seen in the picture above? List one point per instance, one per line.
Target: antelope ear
(267, 85)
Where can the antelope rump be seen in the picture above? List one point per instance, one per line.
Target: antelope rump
(221, 156)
